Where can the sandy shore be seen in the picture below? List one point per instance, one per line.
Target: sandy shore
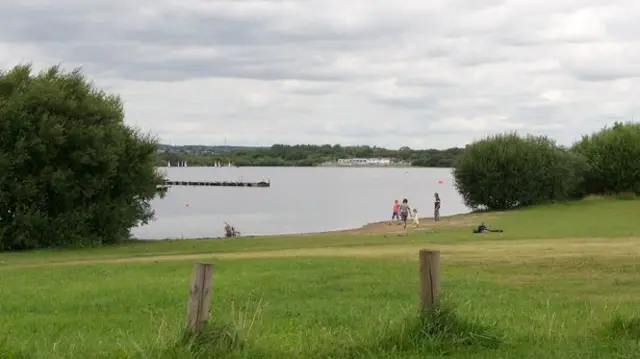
(426, 224)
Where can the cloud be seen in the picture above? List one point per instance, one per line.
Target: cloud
(409, 73)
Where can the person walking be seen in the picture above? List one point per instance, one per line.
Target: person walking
(436, 208)
(396, 211)
(404, 211)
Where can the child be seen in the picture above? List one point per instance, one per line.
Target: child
(416, 220)
(396, 211)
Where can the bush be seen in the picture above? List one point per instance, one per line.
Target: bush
(506, 171)
(613, 155)
(71, 171)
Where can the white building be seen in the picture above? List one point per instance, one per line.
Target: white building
(364, 161)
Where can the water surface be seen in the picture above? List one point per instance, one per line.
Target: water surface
(300, 199)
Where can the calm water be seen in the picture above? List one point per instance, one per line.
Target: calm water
(310, 199)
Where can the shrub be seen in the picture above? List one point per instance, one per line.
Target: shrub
(613, 155)
(505, 171)
(71, 171)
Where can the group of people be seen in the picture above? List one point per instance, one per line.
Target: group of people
(402, 211)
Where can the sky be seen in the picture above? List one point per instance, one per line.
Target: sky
(417, 73)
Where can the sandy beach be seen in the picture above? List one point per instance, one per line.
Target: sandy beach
(426, 224)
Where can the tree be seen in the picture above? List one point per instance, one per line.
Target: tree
(613, 156)
(71, 171)
(507, 171)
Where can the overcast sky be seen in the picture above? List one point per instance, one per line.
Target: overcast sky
(419, 73)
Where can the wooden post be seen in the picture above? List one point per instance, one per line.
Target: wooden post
(199, 297)
(429, 280)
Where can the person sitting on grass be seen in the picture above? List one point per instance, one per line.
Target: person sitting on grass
(483, 228)
(230, 231)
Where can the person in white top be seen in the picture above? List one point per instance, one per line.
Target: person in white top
(416, 219)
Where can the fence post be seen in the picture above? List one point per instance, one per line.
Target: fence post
(199, 297)
(429, 280)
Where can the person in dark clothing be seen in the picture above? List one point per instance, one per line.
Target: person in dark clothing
(230, 231)
(436, 209)
(483, 228)
(404, 211)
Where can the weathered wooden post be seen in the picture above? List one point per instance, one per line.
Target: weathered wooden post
(199, 297)
(429, 280)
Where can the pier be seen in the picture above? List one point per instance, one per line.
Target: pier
(261, 184)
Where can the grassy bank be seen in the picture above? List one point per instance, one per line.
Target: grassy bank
(562, 281)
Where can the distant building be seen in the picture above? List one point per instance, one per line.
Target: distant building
(364, 162)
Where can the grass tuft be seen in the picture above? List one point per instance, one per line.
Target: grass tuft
(215, 340)
(10, 353)
(219, 338)
(623, 328)
(441, 332)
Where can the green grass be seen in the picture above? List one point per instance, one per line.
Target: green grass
(562, 281)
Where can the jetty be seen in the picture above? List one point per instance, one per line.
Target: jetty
(261, 184)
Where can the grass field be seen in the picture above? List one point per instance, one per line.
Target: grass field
(562, 281)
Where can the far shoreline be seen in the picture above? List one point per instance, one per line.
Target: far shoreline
(316, 166)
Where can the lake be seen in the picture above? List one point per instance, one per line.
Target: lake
(300, 199)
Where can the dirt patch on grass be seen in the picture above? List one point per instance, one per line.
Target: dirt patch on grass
(471, 219)
(505, 251)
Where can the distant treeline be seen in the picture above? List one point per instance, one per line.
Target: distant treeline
(299, 155)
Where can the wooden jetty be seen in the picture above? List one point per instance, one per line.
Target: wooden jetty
(261, 184)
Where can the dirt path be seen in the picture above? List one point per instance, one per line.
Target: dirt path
(479, 252)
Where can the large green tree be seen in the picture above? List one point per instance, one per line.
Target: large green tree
(613, 155)
(506, 171)
(71, 171)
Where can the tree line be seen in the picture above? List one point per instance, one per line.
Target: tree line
(72, 173)
(304, 155)
(508, 170)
